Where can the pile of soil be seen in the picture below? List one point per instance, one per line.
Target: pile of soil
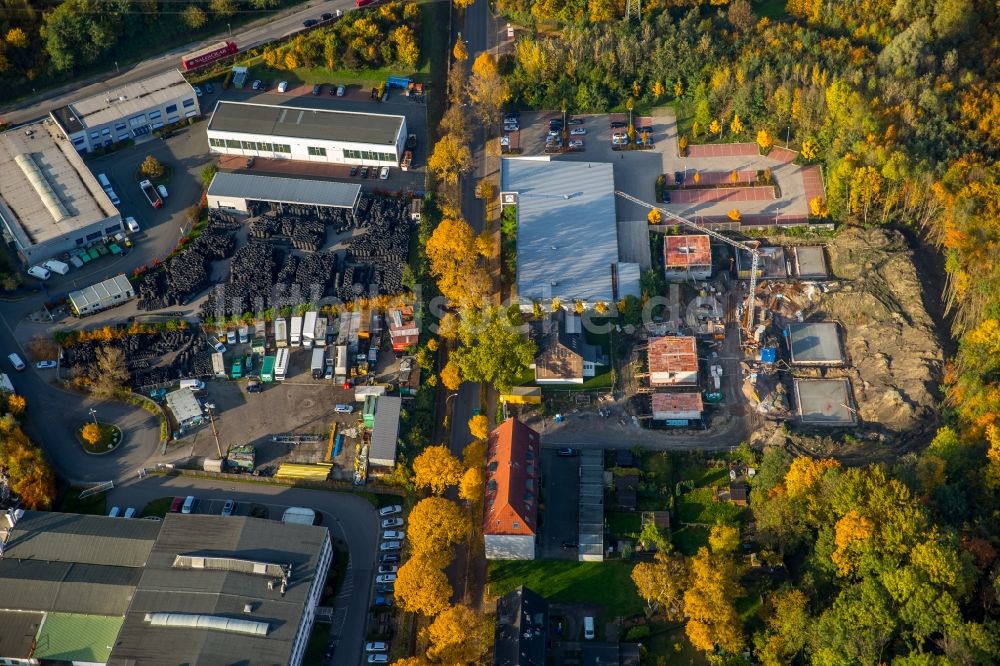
(892, 345)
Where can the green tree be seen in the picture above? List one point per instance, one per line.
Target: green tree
(194, 17)
(222, 9)
(208, 173)
(76, 32)
(787, 628)
(492, 349)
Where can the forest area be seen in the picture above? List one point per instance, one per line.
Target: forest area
(900, 104)
(46, 42)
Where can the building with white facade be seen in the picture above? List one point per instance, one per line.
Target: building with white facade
(50, 202)
(309, 135)
(513, 473)
(128, 112)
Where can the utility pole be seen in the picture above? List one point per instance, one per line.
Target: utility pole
(215, 433)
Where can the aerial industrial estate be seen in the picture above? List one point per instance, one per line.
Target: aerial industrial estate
(339, 336)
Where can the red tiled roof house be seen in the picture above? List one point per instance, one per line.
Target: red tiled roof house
(511, 505)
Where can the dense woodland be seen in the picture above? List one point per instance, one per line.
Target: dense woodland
(899, 101)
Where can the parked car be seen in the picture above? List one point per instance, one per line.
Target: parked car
(384, 173)
(175, 506)
(378, 658)
(385, 588)
(189, 503)
(576, 143)
(217, 345)
(283, 86)
(386, 578)
(390, 545)
(162, 189)
(569, 545)
(388, 568)
(130, 512)
(386, 524)
(197, 91)
(343, 408)
(354, 171)
(578, 131)
(576, 121)
(678, 177)
(326, 16)
(115, 511)
(231, 337)
(308, 23)
(390, 510)
(383, 601)
(16, 361)
(131, 224)
(209, 88)
(340, 91)
(39, 272)
(47, 365)
(566, 453)
(666, 196)
(395, 535)
(317, 89)
(618, 124)
(256, 84)
(228, 507)
(376, 646)
(388, 557)
(364, 172)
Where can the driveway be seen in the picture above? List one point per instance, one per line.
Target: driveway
(350, 518)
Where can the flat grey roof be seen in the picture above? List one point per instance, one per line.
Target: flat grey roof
(46, 191)
(101, 293)
(70, 537)
(825, 401)
(67, 587)
(165, 588)
(815, 343)
(810, 261)
(385, 434)
(285, 190)
(130, 99)
(183, 405)
(567, 237)
(303, 123)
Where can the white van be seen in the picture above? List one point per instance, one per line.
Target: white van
(103, 180)
(132, 225)
(39, 272)
(283, 86)
(114, 512)
(56, 266)
(588, 628)
(193, 384)
(130, 512)
(189, 503)
(16, 361)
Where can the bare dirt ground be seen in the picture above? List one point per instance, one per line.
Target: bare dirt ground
(891, 342)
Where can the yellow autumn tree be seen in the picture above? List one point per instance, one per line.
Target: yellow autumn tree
(696, 178)
(678, 88)
(556, 304)
(765, 140)
(654, 216)
(735, 215)
(715, 126)
(658, 90)
(435, 525)
(451, 376)
(407, 51)
(474, 453)
(436, 469)
(601, 307)
(709, 603)
(422, 587)
(449, 159)
(817, 207)
(470, 487)
(661, 583)
(805, 474)
(682, 144)
(460, 52)
(459, 636)
(488, 90)
(736, 126)
(849, 530)
(17, 38)
(455, 262)
(810, 149)
(724, 539)
(16, 404)
(479, 426)
(91, 433)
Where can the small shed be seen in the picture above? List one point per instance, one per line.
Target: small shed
(185, 407)
(739, 493)
(385, 434)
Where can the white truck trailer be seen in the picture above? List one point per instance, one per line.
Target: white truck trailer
(318, 362)
(280, 332)
(309, 329)
(295, 332)
(320, 338)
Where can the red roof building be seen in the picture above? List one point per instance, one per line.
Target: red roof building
(402, 328)
(511, 503)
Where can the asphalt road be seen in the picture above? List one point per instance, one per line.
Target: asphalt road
(351, 519)
(272, 27)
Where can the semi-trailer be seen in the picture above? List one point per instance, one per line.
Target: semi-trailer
(280, 332)
(208, 55)
(309, 329)
(295, 332)
(318, 362)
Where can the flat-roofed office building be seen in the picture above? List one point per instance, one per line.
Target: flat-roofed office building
(308, 135)
(50, 202)
(127, 112)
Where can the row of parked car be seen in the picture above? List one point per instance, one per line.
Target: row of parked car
(392, 535)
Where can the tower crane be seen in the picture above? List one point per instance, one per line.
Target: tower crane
(750, 248)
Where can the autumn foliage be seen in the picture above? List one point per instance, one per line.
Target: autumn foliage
(436, 469)
(91, 433)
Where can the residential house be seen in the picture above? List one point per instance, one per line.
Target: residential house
(687, 258)
(522, 629)
(564, 357)
(510, 522)
(673, 361)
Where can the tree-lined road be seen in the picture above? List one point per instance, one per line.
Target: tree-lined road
(282, 24)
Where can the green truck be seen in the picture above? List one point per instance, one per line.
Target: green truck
(267, 369)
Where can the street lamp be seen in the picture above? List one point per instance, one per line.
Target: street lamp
(93, 414)
(230, 30)
(117, 71)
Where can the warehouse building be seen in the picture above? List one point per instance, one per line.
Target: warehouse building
(308, 135)
(191, 589)
(385, 433)
(129, 112)
(50, 202)
(241, 191)
(567, 233)
(101, 296)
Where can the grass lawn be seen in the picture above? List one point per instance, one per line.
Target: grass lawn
(689, 538)
(697, 507)
(624, 523)
(158, 507)
(661, 642)
(95, 505)
(111, 437)
(606, 583)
